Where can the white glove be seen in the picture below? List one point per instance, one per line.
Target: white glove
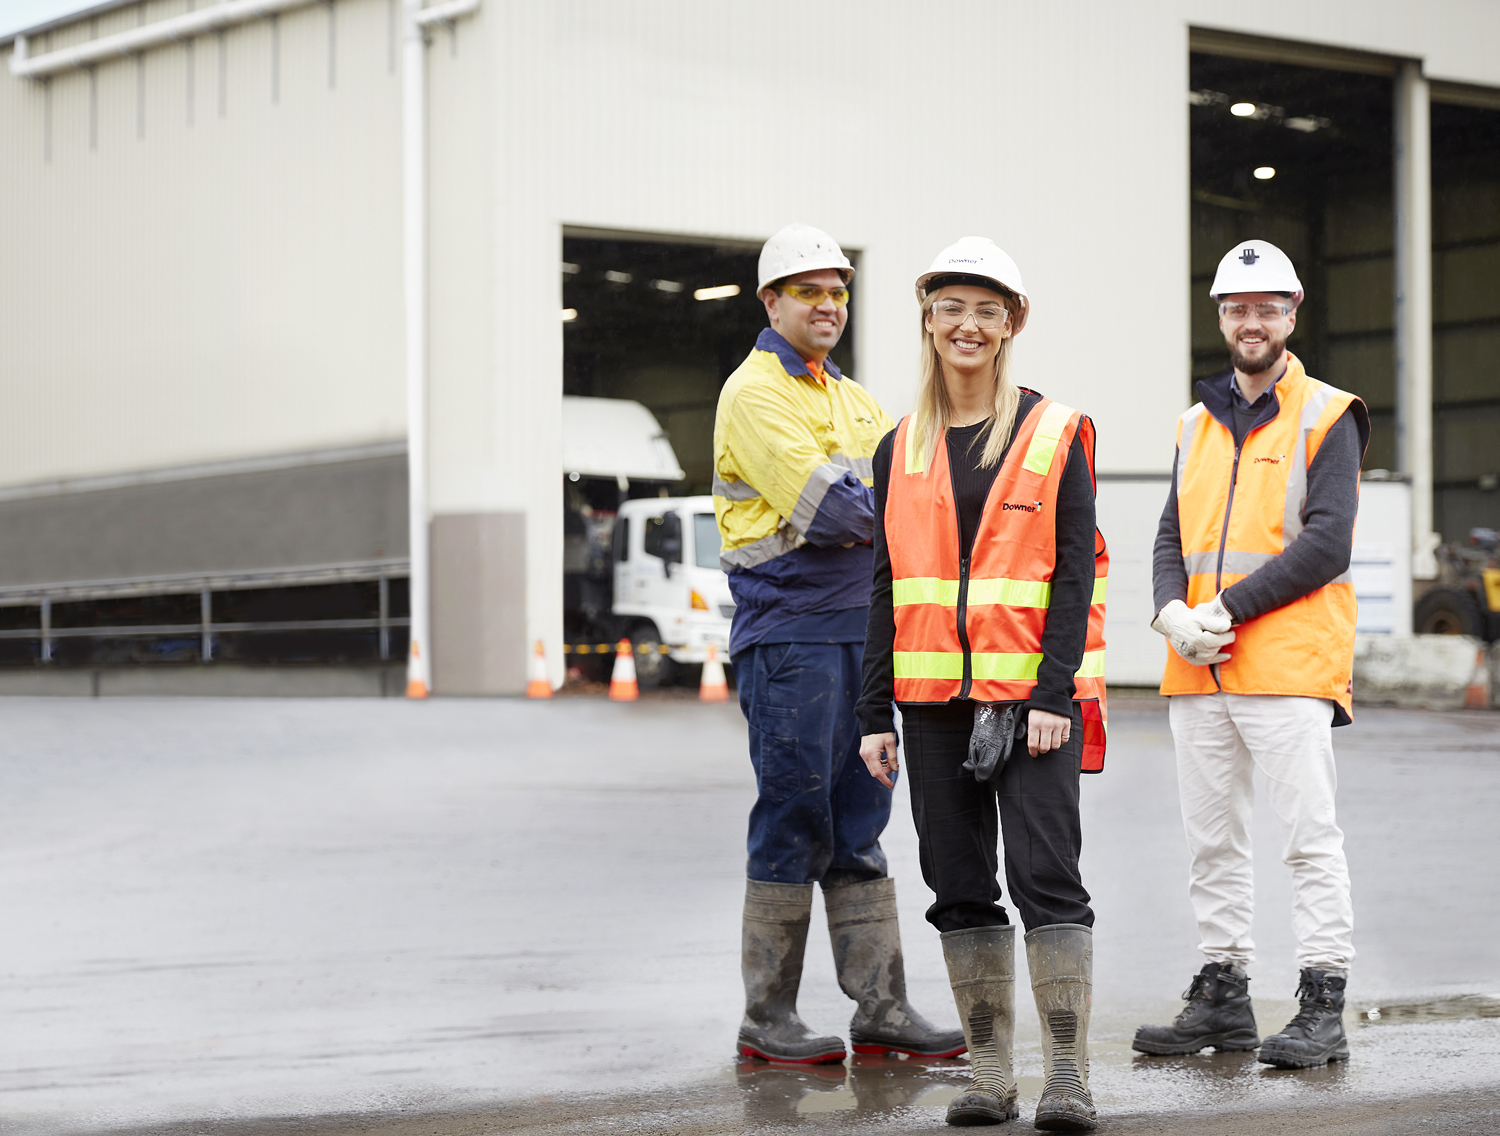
(1213, 615)
(1184, 629)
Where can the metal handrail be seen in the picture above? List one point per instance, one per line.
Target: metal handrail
(43, 596)
(23, 595)
(163, 629)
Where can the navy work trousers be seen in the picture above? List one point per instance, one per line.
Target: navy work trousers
(959, 822)
(819, 814)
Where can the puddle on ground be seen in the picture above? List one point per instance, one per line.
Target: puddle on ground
(1443, 1009)
(862, 1084)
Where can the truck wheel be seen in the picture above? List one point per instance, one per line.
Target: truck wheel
(1448, 611)
(652, 668)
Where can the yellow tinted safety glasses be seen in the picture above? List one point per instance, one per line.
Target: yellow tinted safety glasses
(812, 294)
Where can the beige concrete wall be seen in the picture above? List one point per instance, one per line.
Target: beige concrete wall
(186, 280)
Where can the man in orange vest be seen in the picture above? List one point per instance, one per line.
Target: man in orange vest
(1251, 573)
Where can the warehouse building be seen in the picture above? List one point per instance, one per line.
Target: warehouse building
(281, 280)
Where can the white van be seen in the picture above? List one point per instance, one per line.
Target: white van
(669, 589)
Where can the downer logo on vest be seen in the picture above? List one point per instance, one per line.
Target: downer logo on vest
(1012, 506)
(1273, 460)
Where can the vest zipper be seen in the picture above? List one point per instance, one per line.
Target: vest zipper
(1234, 477)
(963, 586)
(963, 628)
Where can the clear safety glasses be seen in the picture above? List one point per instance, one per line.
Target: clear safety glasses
(1237, 312)
(987, 317)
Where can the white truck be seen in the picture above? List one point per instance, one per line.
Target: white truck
(644, 568)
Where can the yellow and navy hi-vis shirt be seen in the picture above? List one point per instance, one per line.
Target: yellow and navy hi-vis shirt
(792, 489)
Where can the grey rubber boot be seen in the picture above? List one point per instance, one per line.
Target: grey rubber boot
(1218, 1013)
(982, 971)
(867, 953)
(1061, 960)
(774, 938)
(1316, 1035)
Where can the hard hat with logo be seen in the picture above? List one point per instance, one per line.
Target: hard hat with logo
(979, 257)
(801, 248)
(1256, 266)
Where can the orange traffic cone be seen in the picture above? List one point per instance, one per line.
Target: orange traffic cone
(713, 688)
(1477, 696)
(539, 686)
(415, 687)
(622, 685)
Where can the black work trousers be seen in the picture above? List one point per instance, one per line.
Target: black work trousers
(1037, 804)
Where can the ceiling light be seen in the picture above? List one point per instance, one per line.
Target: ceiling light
(722, 292)
(666, 285)
(1242, 110)
(618, 277)
(1265, 173)
(569, 315)
(1307, 124)
(569, 269)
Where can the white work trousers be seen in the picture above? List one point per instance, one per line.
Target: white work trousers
(1221, 739)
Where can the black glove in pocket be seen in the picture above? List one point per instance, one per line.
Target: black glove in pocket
(990, 743)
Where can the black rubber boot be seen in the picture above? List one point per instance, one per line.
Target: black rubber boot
(775, 936)
(1316, 1035)
(1061, 961)
(982, 970)
(867, 953)
(1217, 1013)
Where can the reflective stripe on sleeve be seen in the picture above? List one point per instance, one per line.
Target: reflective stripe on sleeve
(779, 543)
(811, 498)
(1043, 445)
(735, 490)
(862, 468)
(1101, 585)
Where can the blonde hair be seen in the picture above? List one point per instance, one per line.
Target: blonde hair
(934, 413)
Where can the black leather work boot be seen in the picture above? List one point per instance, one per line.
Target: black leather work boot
(982, 971)
(867, 953)
(1316, 1035)
(1217, 1013)
(775, 936)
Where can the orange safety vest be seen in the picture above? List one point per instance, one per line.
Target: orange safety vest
(1239, 509)
(973, 628)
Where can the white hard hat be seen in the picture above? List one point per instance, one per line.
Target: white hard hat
(801, 248)
(982, 257)
(1256, 266)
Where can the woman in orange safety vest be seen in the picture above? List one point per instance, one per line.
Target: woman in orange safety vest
(986, 630)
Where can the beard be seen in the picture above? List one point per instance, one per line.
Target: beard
(1255, 364)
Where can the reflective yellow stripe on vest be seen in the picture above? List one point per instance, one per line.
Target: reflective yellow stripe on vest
(931, 590)
(991, 666)
(1009, 593)
(1044, 442)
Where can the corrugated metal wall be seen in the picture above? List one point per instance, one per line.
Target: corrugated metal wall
(201, 246)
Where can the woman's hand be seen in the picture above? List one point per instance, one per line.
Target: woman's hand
(1044, 732)
(879, 753)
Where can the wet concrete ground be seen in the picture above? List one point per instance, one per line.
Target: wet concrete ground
(494, 916)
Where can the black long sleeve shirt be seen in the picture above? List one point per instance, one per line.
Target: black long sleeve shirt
(1066, 631)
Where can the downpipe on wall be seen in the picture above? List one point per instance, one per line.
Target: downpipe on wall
(414, 233)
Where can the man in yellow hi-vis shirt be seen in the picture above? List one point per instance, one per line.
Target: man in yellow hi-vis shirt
(792, 447)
